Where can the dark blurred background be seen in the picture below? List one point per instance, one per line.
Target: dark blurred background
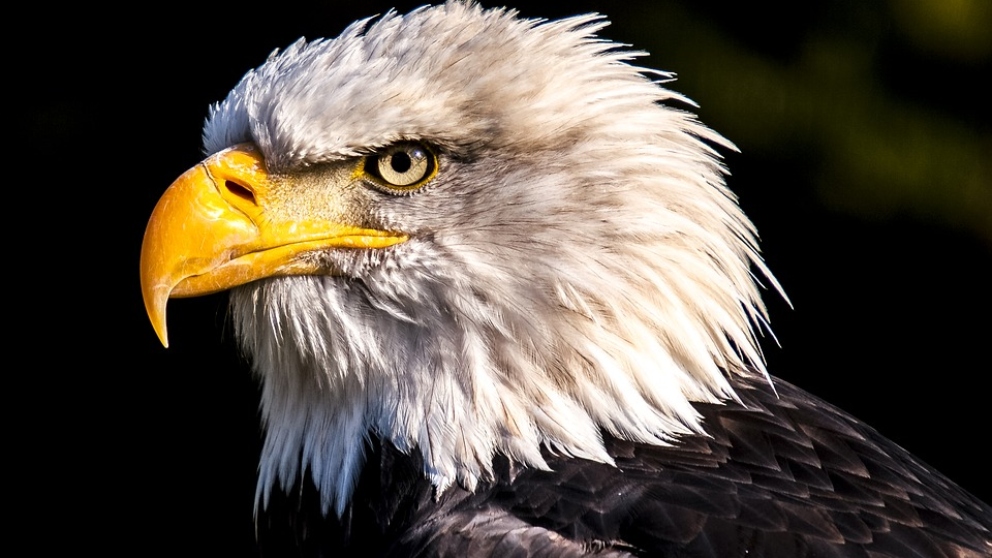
(865, 161)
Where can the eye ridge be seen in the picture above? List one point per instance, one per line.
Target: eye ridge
(402, 167)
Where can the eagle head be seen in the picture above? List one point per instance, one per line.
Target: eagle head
(466, 234)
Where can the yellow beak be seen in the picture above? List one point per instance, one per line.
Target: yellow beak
(213, 229)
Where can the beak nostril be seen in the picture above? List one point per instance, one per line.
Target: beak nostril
(239, 190)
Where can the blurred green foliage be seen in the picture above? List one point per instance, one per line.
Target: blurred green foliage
(887, 102)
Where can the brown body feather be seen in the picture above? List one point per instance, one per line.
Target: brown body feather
(778, 475)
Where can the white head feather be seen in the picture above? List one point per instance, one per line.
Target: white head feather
(577, 264)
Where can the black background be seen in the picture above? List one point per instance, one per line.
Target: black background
(132, 445)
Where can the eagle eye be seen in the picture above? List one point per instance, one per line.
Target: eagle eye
(403, 166)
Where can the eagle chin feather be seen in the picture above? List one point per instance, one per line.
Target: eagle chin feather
(578, 266)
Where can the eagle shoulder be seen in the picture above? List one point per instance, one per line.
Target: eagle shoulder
(779, 473)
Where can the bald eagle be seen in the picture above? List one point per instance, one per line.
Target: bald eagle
(501, 302)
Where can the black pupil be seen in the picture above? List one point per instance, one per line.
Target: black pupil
(400, 162)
